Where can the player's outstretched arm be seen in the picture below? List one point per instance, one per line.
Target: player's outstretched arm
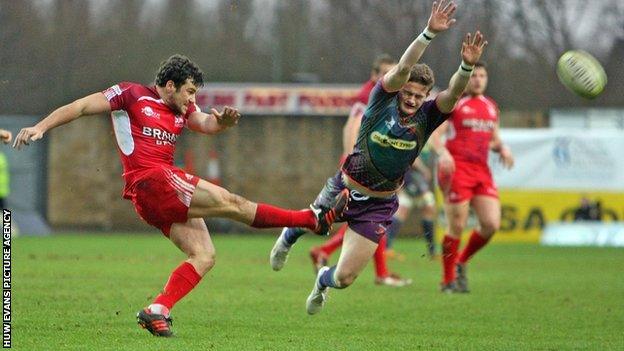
(213, 122)
(472, 48)
(93, 104)
(351, 128)
(446, 163)
(440, 20)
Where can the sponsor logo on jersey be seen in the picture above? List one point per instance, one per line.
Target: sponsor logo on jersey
(149, 112)
(467, 109)
(162, 137)
(386, 141)
(357, 196)
(179, 121)
(111, 92)
(479, 125)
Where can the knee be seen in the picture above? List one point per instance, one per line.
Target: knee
(429, 212)
(233, 200)
(203, 262)
(489, 227)
(456, 226)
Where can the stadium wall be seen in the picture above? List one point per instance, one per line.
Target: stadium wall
(283, 160)
(265, 158)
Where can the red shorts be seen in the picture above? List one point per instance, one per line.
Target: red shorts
(467, 181)
(162, 196)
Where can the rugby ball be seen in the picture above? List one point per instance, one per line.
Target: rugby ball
(581, 73)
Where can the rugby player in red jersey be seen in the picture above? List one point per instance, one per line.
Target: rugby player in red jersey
(320, 254)
(147, 121)
(465, 178)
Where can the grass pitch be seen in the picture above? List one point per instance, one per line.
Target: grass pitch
(82, 292)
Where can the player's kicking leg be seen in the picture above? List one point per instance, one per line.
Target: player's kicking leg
(290, 235)
(193, 239)
(488, 211)
(210, 200)
(356, 252)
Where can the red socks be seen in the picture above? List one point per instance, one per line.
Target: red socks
(475, 243)
(335, 241)
(449, 255)
(381, 270)
(181, 282)
(268, 216)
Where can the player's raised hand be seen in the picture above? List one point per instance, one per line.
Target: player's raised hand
(5, 136)
(472, 47)
(228, 117)
(441, 17)
(26, 135)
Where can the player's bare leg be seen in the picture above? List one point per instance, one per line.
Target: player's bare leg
(457, 216)
(210, 200)
(356, 252)
(193, 239)
(320, 254)
(488, 212)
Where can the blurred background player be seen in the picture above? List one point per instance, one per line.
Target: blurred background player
(395, 127)
(148, 121)
(415, 192)
(320, 254)
(5, 137)
(465, 178)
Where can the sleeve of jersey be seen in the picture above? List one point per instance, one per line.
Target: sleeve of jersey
(119, 96)
(192, 108)
(378, 101)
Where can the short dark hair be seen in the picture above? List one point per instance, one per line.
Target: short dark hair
(179, 68)
(481, 64)
(383, 59)
(422, 74)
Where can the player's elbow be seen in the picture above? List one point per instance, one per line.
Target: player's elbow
(403, 68)
(76, 109)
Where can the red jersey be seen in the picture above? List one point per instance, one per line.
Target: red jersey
(359, 106)
(471, 125)
(146, 129)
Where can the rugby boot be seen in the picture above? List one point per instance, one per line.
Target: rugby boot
(325, 216)
(157, 324)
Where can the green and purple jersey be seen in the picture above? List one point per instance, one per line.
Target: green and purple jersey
(388, 143)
